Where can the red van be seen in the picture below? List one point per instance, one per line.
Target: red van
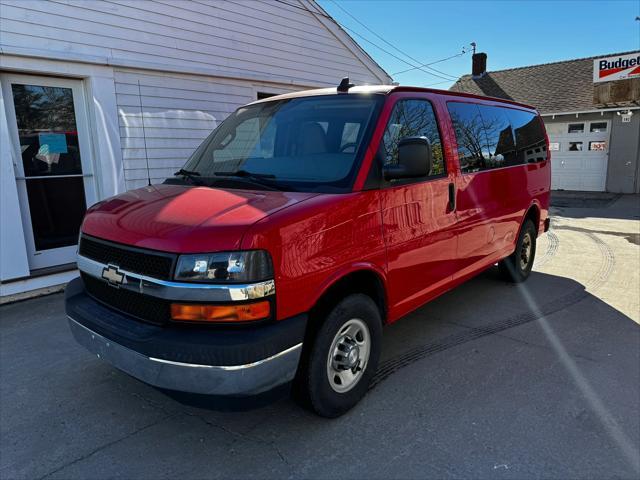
(302, 225)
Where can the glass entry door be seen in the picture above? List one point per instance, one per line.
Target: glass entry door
(52, 162)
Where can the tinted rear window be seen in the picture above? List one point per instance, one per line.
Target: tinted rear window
(500, 150)
(530, 137)
(470, 135)
(492, 137)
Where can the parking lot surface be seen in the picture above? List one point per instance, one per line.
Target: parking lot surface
(491, 380)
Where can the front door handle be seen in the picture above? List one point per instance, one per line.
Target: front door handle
(452, 197)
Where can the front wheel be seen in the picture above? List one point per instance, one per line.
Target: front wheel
(517, 266)
(343, 358)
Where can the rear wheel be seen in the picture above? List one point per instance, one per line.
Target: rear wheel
(517, 267)
(344, 357)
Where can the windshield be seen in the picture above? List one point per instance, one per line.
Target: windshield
(311, 144)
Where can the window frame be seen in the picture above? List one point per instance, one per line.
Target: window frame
(581, 149)
(599, 122)
(582, 132)
(384, 184)
(500, 105)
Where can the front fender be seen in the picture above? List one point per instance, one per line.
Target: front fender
(347, 270)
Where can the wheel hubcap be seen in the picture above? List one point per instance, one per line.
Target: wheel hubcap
(525, 251)
(348, 355)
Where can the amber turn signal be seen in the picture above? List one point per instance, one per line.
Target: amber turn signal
(246, 312)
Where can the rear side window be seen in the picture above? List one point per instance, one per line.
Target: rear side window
(470, 135)
(530, 138)
(492, 137)
(500, 148)
(413, 118)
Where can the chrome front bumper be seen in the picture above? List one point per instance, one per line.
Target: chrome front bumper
(248, 379)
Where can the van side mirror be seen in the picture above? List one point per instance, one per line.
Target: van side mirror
(414, 159)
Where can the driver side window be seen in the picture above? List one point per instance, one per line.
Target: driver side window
(413, 118)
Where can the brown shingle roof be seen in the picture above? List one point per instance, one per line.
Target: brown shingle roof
(551, 87)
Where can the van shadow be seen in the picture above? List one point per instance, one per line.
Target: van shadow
(488, 306)
(484, 306)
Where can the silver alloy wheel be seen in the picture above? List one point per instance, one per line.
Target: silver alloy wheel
(348, 355)
(525, 251)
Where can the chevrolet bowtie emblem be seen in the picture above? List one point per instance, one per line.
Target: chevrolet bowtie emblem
(112, 275)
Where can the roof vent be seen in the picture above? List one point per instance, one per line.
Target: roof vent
(345, 85)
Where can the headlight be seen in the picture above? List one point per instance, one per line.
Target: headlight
(222, 267)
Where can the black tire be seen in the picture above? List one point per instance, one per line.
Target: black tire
(515, 268)
(313, 386)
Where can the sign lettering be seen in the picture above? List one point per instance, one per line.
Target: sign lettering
(615, 68)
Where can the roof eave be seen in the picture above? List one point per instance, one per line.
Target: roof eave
(578, 112)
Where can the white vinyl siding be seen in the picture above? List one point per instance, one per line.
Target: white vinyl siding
(260, 39)
(196, 61)
(179, 112)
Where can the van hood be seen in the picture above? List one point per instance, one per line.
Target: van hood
(183, 218)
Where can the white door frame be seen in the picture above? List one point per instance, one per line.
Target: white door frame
(61, 255)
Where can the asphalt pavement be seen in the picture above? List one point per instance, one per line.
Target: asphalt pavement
(491, 380)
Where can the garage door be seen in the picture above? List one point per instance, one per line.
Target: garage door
(579, 153)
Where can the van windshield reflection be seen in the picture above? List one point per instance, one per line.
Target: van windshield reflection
(303, 144)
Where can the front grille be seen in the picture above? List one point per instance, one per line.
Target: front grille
(146, 308)
(135, 260)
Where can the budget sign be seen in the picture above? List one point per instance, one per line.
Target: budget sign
(618, 67)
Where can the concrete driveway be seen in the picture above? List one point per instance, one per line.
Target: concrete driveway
(489, 381)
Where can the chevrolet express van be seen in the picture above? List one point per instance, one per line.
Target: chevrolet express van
(299, 228)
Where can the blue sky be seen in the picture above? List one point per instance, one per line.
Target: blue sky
(512, 33)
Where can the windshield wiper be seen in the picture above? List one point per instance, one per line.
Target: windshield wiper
(245, 174)
(191, 175)
(257, 178)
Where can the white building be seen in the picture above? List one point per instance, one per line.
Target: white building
(80, 77)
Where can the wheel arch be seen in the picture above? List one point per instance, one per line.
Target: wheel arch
(533, 214)
(364, 278)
